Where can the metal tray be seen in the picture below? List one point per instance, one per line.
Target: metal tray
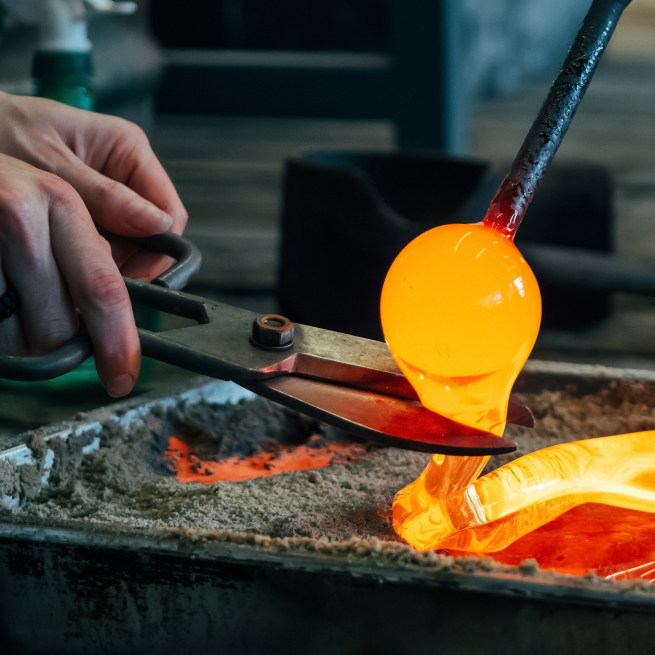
(87, 591)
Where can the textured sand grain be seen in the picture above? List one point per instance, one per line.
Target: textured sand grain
(128, 483)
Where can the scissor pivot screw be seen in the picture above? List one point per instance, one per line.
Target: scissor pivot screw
(272, 332)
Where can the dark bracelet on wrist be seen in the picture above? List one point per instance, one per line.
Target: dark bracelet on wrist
(9, 302)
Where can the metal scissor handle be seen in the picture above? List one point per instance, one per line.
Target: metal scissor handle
(79, 348)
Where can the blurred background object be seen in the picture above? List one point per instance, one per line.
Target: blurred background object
(127, 59)
(419, 64)
(229, 90)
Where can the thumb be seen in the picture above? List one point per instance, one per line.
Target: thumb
(113, 205)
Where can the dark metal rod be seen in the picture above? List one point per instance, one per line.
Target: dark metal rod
(512, 199)
(187, 256)
(166, 300)
(36, 369)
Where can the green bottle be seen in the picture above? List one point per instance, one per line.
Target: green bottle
(65, 77)
(62, 68)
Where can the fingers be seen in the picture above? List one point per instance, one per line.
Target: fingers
(90, 151)
(51, 251)
(146, 266)
(132, 162)
(121, 211)
(149, 179)
(113, 205)
(98, 290)
(108, 161)
(130, 194)
(72, 144)
(119, 151)
(47, 313)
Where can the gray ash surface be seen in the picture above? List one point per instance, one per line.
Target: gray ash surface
(128, 483)
(216, 432)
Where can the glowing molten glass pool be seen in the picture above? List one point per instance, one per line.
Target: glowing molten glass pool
(461, 311)
(597, 495)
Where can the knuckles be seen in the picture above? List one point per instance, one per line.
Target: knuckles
(23, 217)
(27, 193)
(132, 133)
(26, 198)
(17, 203)
(62, 192)
(56, 328)
(104, 291)
(105, 192)
(129, 137)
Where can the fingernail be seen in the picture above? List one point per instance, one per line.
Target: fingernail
(120, 386)
(160, 221)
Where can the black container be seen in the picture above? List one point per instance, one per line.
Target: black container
(347, 215)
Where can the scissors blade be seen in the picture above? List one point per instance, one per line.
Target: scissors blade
(344, 380)
(388, 420)
(518, 413)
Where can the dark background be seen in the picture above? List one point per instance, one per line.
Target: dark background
(329, 25)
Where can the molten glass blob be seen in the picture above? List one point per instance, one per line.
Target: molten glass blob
(445, 509)
(461, 311)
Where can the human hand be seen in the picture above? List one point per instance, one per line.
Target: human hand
(108, 161)
(52, 253)
(77, 168)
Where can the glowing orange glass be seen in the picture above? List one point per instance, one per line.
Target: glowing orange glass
(461, 311)
(494, 511)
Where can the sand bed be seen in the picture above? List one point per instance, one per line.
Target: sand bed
(129, 481)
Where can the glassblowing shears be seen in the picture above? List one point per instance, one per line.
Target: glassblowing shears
(346, 381)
